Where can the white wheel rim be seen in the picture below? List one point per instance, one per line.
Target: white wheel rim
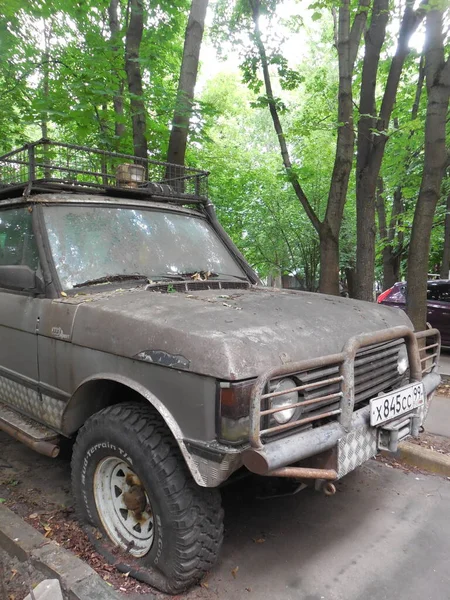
(123, 506)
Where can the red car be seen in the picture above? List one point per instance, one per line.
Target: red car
(438, 315)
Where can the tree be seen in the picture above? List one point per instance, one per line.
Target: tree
(372, 132)
(437, 76)
(348, 36)
(254, 201)
(186, 86)
(400, 172)
(118, 104)
(134, 33)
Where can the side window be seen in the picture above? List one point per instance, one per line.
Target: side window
(444, 293)
(440, 293)
(17, 241)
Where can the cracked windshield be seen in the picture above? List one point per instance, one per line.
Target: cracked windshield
(89, 243)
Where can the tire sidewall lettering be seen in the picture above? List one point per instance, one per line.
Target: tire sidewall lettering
(93, 455)
(130, 431)
(159, 543)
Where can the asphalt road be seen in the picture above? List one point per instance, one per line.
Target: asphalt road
(385, 535)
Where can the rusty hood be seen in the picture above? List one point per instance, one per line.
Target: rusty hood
(232, 335)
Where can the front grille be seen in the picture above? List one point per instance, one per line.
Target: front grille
(319, 389)
(375, 372)
(318, 385)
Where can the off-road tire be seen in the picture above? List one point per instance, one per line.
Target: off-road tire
(187, 542)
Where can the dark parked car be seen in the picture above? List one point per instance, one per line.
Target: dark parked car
(438, 293)
(131, 323)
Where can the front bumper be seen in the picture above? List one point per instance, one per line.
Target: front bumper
(333, 450)
(327, 451)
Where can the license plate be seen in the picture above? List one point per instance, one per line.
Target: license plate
(387, 407)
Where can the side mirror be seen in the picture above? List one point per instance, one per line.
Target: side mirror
(20, 278)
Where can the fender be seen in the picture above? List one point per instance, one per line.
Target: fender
(76, 412)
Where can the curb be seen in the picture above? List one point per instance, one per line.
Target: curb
(78, 581)
(423, 458)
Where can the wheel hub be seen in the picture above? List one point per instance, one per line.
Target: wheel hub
(123, 506)
(135, 500)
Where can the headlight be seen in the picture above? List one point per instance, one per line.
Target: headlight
(402, 361)
(287, 399)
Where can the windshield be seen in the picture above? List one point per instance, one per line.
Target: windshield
(89, 243)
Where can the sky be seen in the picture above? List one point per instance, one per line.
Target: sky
(294, 45)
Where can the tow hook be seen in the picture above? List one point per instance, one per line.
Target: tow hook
(326, 487)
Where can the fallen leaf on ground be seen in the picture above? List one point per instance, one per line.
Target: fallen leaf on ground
(204, 584)
(33, 516)
(260, 540)
(48, 530)
(234, 571)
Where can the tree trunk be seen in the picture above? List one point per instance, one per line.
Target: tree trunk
(329, 262)
(46, 93)
(348, 40)
(133, 70)
(437, 74)
(391, 237)
(114, 28)
(186, 85)
(370, 146)
(365, 190)
(347, 45)
(445, 266)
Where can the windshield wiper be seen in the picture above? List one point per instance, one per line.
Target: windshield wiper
(177, 276)
(202, 275)
(111, 279)
(229, 275)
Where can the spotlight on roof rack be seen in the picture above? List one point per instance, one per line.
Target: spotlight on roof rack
(128, 175)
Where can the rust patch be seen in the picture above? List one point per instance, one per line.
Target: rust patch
(159, 357)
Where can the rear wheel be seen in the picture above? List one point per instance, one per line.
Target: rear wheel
(132, 485)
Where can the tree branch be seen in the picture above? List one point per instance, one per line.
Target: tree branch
(255, 6)
(409, 24)
(356, 31)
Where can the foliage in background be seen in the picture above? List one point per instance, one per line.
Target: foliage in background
(85, 71)
(70, 83)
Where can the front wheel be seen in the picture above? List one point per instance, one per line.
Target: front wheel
(131, 483)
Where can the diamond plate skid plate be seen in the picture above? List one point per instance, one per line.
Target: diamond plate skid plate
(23, 398)
(28, 401)
(52, 411)
(356, 448)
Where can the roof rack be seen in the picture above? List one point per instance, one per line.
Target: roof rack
(49, 166)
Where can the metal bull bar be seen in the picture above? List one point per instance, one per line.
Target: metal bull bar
(273, 457)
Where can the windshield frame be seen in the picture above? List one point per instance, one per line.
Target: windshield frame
(109, 203)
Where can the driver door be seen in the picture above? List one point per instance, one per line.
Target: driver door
(19, 316)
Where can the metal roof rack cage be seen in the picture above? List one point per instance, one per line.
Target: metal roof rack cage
(49, 166)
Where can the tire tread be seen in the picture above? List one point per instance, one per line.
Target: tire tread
(197, 512)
